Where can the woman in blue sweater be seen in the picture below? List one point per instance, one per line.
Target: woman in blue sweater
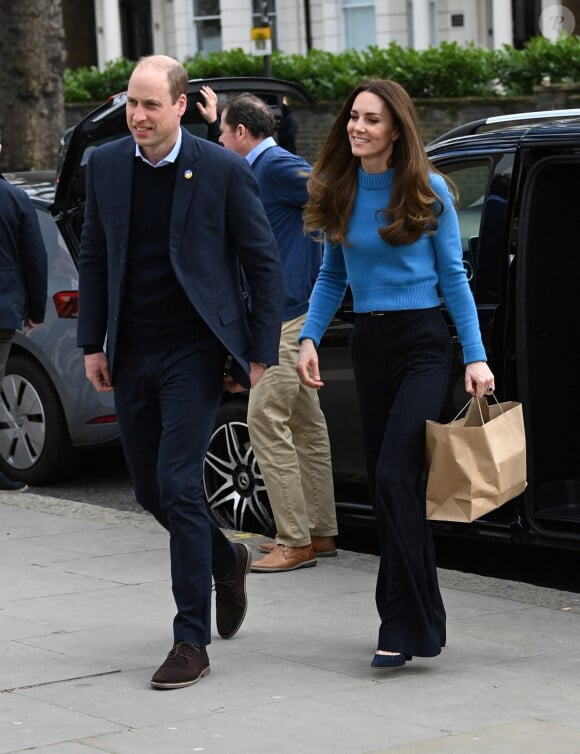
(391, 233)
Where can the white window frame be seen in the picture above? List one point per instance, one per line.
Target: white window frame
(347, 6)
(198, 19)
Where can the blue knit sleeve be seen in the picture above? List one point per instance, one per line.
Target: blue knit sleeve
(327, 294)
(452, 277)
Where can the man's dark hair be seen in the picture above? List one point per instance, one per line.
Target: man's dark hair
(250, 111)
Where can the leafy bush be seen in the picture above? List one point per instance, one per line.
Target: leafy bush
(231, 63)
(520, 70)
(92, 85)
(447, 70)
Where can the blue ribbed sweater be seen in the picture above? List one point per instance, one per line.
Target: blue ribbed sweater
(390, 278)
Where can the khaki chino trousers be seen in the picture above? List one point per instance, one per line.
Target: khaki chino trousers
(290, 439)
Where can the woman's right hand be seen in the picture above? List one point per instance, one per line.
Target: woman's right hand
(307, 365)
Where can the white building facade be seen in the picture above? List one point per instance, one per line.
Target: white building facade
(181, 28)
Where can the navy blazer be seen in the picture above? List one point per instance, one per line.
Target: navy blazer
(23, 266)
(217, 223)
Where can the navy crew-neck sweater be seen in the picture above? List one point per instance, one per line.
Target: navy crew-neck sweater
(156, 313)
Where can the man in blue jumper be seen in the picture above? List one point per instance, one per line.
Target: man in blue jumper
(287, 427)
(170, 220)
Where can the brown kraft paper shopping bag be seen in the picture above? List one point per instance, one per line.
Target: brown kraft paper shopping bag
(477, 463)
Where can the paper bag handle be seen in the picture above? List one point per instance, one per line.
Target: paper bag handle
(470, 402)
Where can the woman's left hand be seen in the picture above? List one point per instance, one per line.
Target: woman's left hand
(479, 379)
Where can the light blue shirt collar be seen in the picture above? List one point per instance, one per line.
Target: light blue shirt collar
(171, 157)
(254, 153)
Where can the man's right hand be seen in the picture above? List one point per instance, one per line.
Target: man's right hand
(97, 371)
(208, 108)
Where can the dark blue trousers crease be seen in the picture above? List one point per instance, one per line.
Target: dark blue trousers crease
(401, 364)
(166, 407)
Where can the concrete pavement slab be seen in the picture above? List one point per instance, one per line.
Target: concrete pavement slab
(59, 547)
(85, 618)
(78, 609)
(14, 628)
(522, 737)
(23, 665)
(231, 689)
(27, 723)
(308, 725)
(67, 748)
(426, 694)
(536, 628)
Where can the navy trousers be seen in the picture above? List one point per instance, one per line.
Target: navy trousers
(166, 407)
(401, 364)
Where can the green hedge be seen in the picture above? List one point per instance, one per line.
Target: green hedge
(448, 70)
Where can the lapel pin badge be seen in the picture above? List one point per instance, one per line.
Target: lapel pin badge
(188, 174)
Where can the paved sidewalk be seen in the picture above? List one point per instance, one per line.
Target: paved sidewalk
(85, 619)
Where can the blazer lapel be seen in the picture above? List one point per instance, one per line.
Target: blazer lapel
(123, 183)
(186, 181)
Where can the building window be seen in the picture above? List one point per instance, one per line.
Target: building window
(359, 24)
(208, 25)
(136, 28)
(263, 10)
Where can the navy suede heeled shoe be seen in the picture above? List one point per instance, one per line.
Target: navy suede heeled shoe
(390, 661)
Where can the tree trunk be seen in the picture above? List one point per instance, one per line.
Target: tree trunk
(32, 51)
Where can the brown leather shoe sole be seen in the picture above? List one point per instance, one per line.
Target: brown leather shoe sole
(267, 547)
(256, 568)
(284, 558)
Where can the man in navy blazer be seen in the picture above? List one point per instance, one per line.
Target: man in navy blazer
(171, 223)
(23, 278)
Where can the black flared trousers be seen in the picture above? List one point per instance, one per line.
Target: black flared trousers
(401, 364)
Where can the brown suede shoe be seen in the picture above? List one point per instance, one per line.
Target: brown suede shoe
(284, 558)
(185, 664)
(324, 547)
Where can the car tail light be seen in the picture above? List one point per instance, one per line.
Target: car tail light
(108, 419)
(66, 304)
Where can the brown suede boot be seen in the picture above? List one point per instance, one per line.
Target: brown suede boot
(283, 558)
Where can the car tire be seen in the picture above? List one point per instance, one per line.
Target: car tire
(234, 487)
(35, 445)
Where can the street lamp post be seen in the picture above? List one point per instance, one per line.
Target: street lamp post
(266, 24)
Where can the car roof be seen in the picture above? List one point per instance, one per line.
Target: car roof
(38, 184)
(107, 123)
(507, 131)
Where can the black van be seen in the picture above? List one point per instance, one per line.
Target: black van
(519, 185)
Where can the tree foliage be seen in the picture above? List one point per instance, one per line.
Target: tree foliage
(448, 70)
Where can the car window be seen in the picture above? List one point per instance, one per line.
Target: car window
(483, 187)
(471, 180)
